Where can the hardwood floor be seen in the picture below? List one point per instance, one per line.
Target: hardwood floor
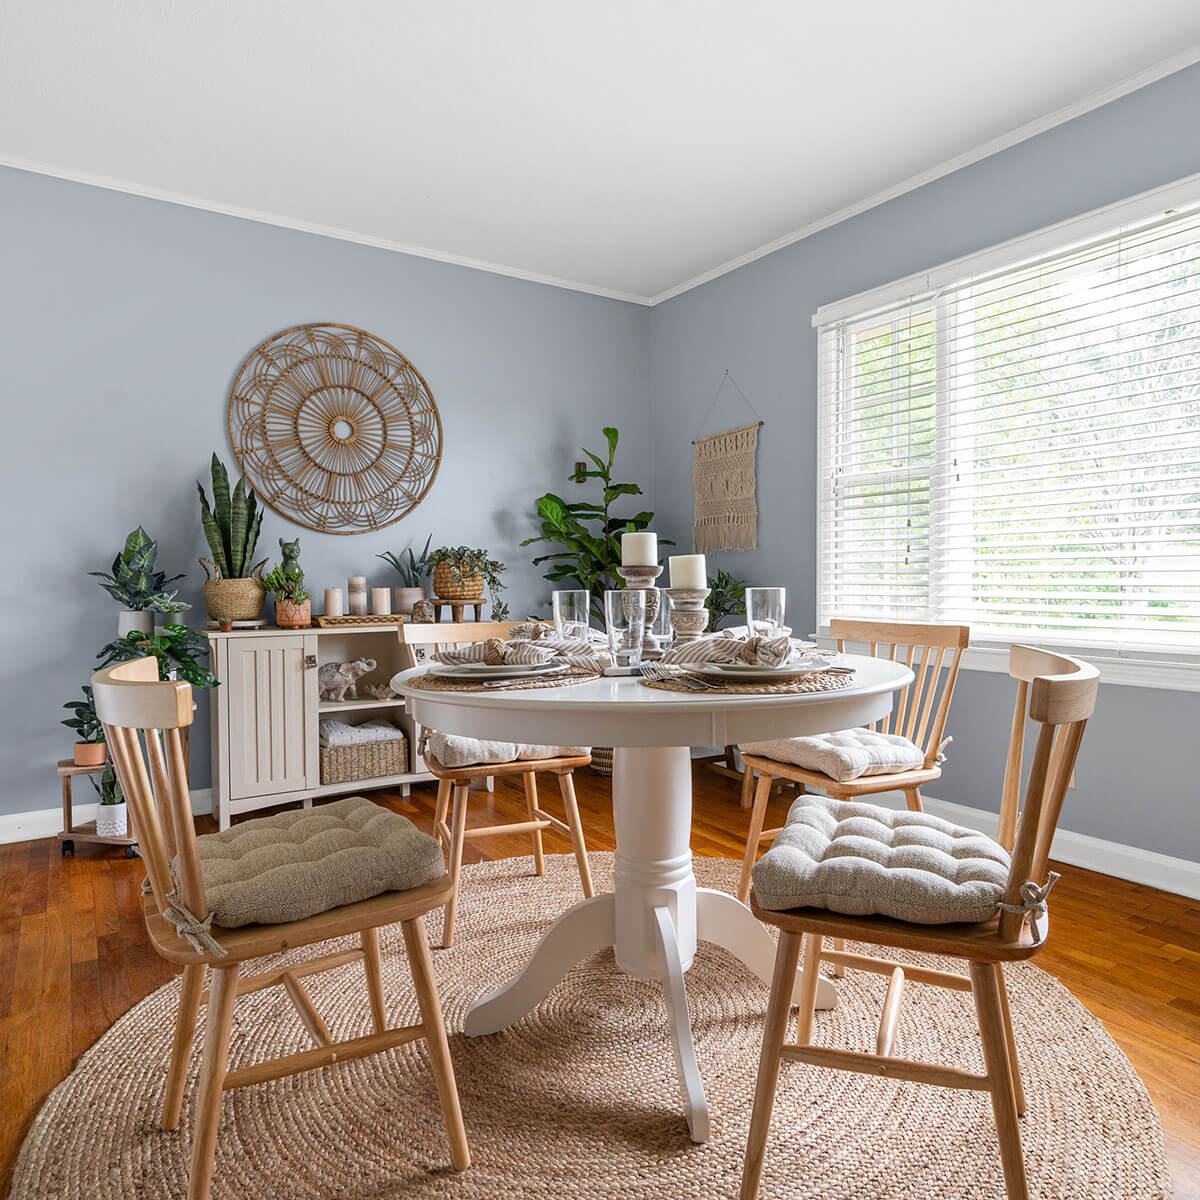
(74, 955)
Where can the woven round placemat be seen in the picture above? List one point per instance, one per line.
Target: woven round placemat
(440, 683)
(823, 681)
(579, 1100)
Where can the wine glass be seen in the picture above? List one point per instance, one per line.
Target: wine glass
(571, 610)
(625, 620)
(764, 610)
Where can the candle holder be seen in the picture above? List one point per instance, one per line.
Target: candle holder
(688, 616)
(641, 579)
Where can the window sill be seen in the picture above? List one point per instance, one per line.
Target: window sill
(1178, 675)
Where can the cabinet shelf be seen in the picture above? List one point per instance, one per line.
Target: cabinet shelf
(378, 781)
(328, 706)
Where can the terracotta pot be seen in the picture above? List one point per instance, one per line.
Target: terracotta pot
(112, 820)
(448, 588)
(403, 598)
(90, 754)
(290, 615)
(129, 619)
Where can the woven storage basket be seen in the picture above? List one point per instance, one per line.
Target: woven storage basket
(602, 760)
(449, 588)
(239, 599)
(348, 764)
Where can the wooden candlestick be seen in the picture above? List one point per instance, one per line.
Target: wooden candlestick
(688, 616)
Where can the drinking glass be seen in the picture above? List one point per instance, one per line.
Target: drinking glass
(571, 613)
(658, 619)
(625, 620)
(764, 610)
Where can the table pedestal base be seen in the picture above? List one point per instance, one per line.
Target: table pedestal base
(652, 918)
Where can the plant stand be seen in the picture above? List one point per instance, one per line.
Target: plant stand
(456, 608)
(72, 833)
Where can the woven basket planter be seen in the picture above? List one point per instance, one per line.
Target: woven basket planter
(449, 588)
(602, 760)
(234, 599)
(372, 760)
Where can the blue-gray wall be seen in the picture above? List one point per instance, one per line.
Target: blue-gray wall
(122, 324)
(1136, 777)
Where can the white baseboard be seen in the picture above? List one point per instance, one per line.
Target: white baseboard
(46, 822)
(1178, 875)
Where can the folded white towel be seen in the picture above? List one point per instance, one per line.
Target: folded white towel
(339, 733)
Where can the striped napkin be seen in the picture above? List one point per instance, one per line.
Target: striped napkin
(774, 650)
(575, 652)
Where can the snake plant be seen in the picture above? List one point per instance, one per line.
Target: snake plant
(408, 566)
(134, 582)
(109, 787)
(231, 525)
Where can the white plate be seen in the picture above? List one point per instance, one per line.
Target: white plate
(489, 671)
(757, 671)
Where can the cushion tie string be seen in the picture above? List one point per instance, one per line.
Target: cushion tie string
(1033, 898)
(197, 933)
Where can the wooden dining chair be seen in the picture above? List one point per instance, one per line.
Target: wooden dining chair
(454, 781)
(183, 925)
(1060, 695)
(934, 654)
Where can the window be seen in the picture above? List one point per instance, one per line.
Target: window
(1019, 448)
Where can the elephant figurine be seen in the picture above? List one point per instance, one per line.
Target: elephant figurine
(339, 681)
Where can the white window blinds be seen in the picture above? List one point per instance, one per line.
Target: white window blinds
(1020, 449)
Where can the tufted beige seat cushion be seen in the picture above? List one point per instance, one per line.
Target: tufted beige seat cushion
(860, 859)
(454, 750)
(844, 755)
(297, 864)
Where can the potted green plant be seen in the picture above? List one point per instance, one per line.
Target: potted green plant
(90, 750)
(134, 583)
(112, 819)
(726, 598)
(411, 569)
(234, 590)
(588, 531)
(293, 603)
(461, 573)
(176, 647)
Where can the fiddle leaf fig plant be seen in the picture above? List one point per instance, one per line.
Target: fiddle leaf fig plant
(176, 647)
(134, 583)
(588, 532)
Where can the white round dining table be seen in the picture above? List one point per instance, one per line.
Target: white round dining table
(655, 913)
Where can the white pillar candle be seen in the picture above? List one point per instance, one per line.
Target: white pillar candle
(333, 602)
(381, 601)
(688, 571)
(356, 593)
(639, 549)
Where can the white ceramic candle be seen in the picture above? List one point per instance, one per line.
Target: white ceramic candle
(639, 549)
(381, 601)
(333, 602)
(688, 571)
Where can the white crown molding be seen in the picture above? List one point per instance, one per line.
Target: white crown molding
(328, 231)
(1078, 108)
(47, 822)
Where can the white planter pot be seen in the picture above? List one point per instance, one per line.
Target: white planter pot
(128, 620)
(111, 820)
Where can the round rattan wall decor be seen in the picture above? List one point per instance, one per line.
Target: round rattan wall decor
(335, 428)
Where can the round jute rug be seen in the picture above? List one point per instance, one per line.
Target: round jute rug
(579, 1098)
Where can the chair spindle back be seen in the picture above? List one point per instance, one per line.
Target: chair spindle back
(933, 653)
(135, 707)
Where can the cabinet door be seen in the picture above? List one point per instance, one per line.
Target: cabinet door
(268, 716)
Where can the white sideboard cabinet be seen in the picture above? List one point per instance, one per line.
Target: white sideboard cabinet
(265, 714)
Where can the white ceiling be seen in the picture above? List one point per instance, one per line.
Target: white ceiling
(621, 146)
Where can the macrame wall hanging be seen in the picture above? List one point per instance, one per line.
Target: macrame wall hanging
(725, 485)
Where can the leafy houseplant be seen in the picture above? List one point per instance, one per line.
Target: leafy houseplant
(112, 820)
(461, 573)
(176, 647)
(234, 591)
(293, 608)
(90, 749)
(588, 532)
(726, 598)
(411, 569)
(134, 583)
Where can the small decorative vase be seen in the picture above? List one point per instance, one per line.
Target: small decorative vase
(356, 595)
(424, 613)
(90, 754)
(229, 600)
(470, 587)
(129, 619)
(111, 820)
(290, 614)
(403, 598)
